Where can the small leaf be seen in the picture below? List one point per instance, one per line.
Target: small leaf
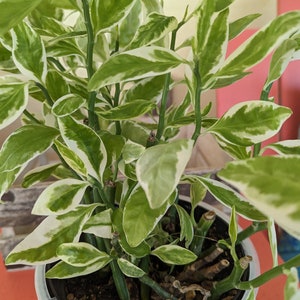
(67, 104)
(186, 226)
(132, 151)
(129, 269)
(291, 289)
(174, 255)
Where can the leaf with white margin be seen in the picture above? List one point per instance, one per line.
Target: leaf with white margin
(29, 53)
(23, 145)
(285, 147)
(271, 184)
(132, 151)
(291, 289)
(81, 254)
(129, 269)
(174, 255)
(228, 196)
(250, 122)
(67, 104)
(60, 197)
(39, 247)
(100, 224)
(139, 219)
(86, 144)
(13, 101)
(160, 167)
(135, 64)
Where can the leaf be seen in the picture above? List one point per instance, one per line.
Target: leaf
(129, 269)
(135, 132)
(29, 53)
(160, 167)
(127, 111)
(139, 219)
(272, 235)
(291, 289)
(39, 247)
(13, 101)
(60, 197)
(67, 104)
(174, 255)
(271, 185)
(250, 122)
(23, 145)
(82, 254)
(38, 174)
(86, 144)
(14, 11)
(108, 13)
(285, 147)
(135, 64)
(155, 28)
(132, 151)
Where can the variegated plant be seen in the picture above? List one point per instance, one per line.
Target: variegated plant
(94, 77)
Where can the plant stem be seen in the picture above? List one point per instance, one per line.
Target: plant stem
(31, 117)
(45, 92)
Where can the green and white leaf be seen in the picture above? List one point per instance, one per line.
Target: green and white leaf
(285, 147)
(23, 145)
(129, 269)
(132, 151)
(135, 64)
(155, 28)
(174, 255)
(40, 246)
(82, 254)
(38, 174)
(135, 132)
(13, 101)
(11, 15)
(186, 225)
(100, 224)
(270, 183)
(272, 235)
(67, 104)
(29, 53)
(160, 167)
(86, 144)
(250, 122)
(60, 197)
(291, 289)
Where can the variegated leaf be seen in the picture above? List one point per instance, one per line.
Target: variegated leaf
(139, 219)
(155, 28)
(135, 64)
(81, 254)
(129, 269)
(40, 246)
(135, 132)
(29, 52)
(174, 255)
(291, 289)
(14, 12)
(100, 224)
(13, 101)
(272, 235)
(67, 104)
(285, 147)
(108, 13)
(270, 183)
(160, 167)
(250, 122)
(132, 151)
(86, 144)
(25, 144)
(60, 197)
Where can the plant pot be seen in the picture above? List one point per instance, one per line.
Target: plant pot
(45, 289)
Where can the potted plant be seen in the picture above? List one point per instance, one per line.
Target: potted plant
(102, 83)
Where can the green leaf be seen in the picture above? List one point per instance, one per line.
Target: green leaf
(285, 147)
(250, 122)
(160, 167)
(68, 104)
(86, 144)
(25, 144)
(155, 28)
(174, 255)
(29, 52)
(139, 219)
(81, 254)
(60, 197)
(186, 226)
(135, 132)
(132, 151)
(13, 101)
(108, 13)
(40, 246)
(271, 185)
(197, 193)
(233, 228)
(135, 64)
(56, 85)
(38, 174)
(272, 235)
(14, 11)
(129, 269)
(127, 111)
(291, 289)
